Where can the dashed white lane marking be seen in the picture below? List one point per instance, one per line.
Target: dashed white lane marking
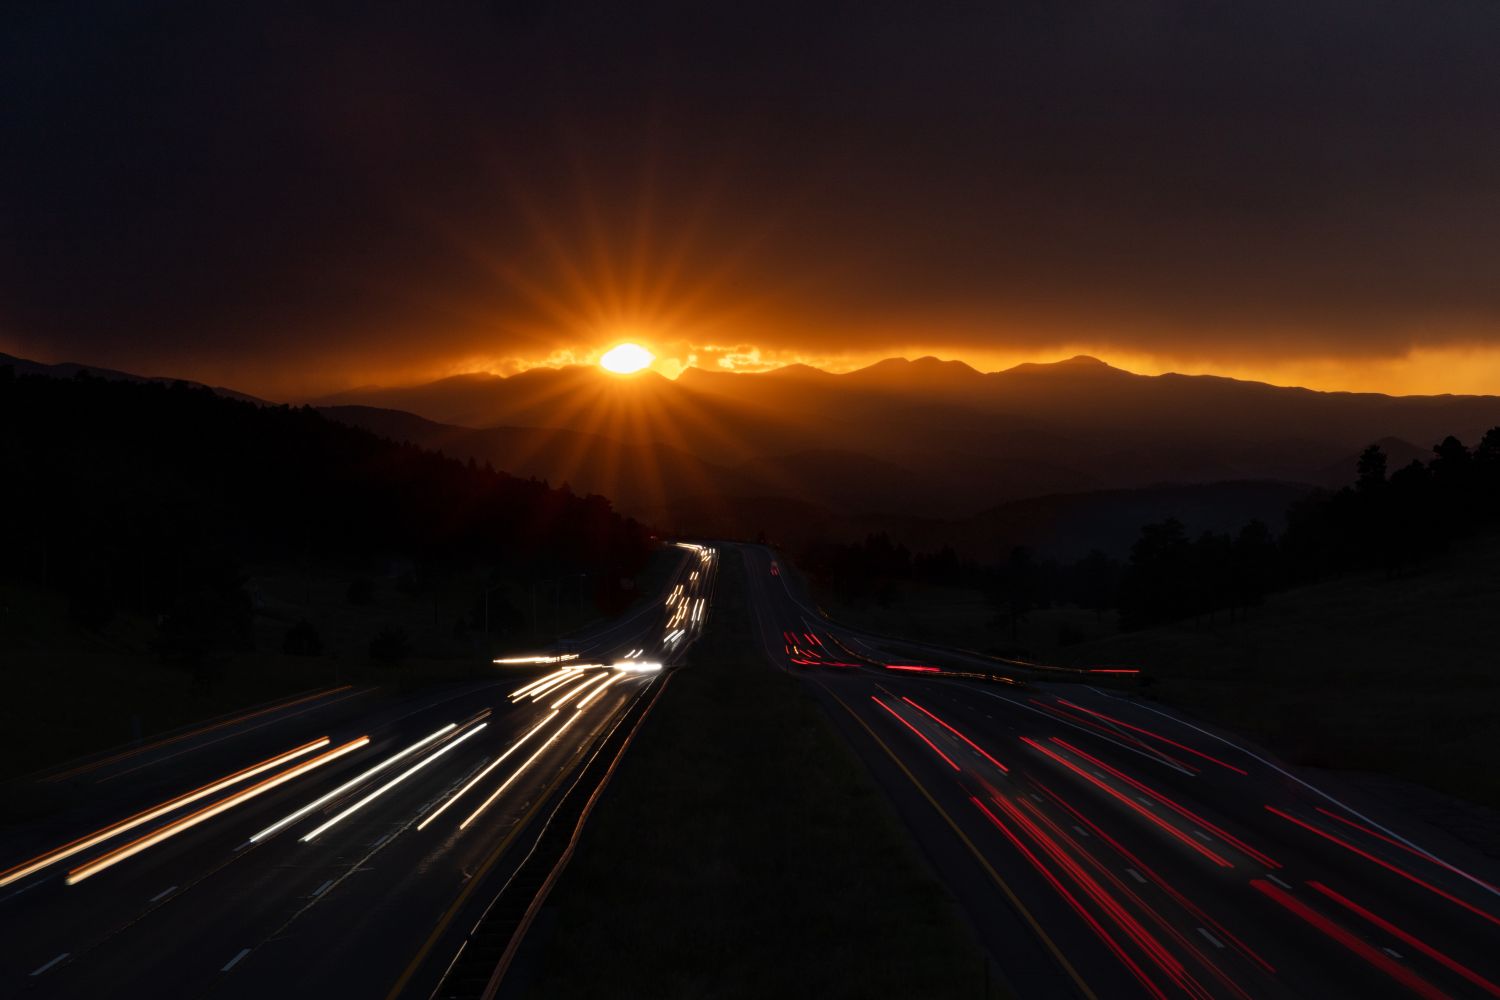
(1392, 952)
(235, 960)
(1136, 875)
(1081, 831)
(165, 892)
(1142, 798)
(50, 964)
(6, 899)
(1204, 836)
(1210, 938)
(1273, 878)
(322, 889)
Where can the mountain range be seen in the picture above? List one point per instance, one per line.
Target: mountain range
(1064, 455)
(907, 441)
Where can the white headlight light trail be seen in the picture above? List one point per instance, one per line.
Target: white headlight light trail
(155, 812)
(547, 678)
(560, 658)
(559, 703)
(391, 784)
(351, 783)
(488, 768)
(638, 666)
(582, 681)
(520, 770)
(208, 812)
(598, 691)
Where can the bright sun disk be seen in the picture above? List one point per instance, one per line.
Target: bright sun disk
(626, 358)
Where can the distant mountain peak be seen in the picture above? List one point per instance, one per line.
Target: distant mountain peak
(1077, 364)
(906, 367)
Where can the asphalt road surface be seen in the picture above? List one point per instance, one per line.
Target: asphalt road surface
(1101, 845)
(1105, 846)
(339, 845)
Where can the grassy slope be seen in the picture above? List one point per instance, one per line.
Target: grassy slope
(743, 851)
(1395, 676)
(69, 692)
(962, 617)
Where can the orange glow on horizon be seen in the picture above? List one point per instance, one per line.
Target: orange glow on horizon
(1422, 371)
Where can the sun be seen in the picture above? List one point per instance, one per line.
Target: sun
(626, 358)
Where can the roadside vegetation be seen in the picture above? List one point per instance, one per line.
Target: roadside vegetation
(743, 851)
(175, 555)
(1360, 637)
(1368, 672)
(1395, 522)
(1390, 673)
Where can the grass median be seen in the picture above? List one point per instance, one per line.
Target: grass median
(744, 851)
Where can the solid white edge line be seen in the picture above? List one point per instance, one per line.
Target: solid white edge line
(159, 895)
(1314, 789)
(236, 959)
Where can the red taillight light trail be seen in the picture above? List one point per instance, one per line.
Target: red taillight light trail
(1386, 865)
(1409, 939)
(1407, 848)
(1148, 871)
(1054, 839)
(1130, 803)
(920, 735)
(1369, 953)
(1114, 736)
(1099, 929)
(974, 746)
(1180, 810)
(915, 668)
(1154, 736)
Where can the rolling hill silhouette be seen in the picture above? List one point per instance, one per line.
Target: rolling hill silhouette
(933, 451)
(1075, 453)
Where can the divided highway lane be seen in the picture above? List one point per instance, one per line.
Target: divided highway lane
(336, 863)
(1106, 847)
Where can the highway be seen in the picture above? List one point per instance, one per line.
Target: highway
(341, 844)
(1103, 846)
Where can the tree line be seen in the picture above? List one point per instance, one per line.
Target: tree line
(1383, 521)
(152, 498)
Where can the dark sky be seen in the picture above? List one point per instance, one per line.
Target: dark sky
(293, 196)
